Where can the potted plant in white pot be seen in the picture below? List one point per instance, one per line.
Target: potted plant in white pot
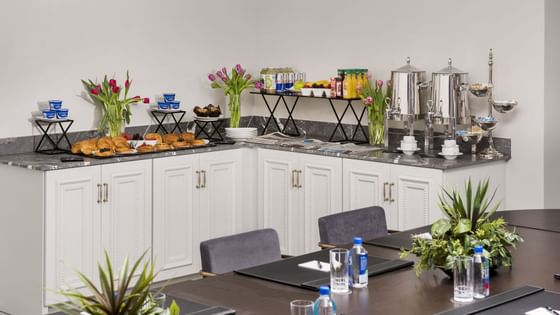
(233, 84)
(116, 296)
(468, 222)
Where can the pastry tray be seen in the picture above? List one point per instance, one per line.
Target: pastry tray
(117, 155)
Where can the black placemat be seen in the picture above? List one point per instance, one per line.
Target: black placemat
(399, 240)
(510, 302)
(288, 272)
(192, 308)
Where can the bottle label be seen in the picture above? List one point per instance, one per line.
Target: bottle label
(363, 277)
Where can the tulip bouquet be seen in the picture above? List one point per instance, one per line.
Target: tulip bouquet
(232, 84)
(374, 100)
(114, 102)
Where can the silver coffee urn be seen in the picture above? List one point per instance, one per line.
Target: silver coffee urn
(407, 103)
(449, 105)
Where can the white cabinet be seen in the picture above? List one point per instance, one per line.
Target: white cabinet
(294, 191)
(407, 194)
(93, 209)
(176, 216)
(196, 197)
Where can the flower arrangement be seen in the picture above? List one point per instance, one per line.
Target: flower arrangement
(373, 98)
(467, 223)
(116, 296)
(114, 102)
(232, 84)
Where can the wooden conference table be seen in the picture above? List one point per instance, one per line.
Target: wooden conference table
(398, 292)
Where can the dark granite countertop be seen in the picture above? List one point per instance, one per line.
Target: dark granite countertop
(43, 162)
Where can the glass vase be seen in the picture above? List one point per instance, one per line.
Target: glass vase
(115, 128)
(234, 110)
(376, 128)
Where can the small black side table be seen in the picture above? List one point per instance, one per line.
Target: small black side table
(55, 140)
(160, 115)
(213, 134)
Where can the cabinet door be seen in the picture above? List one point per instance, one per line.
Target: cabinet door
(126, 217)
(321, 179)
(416, 195)
(277, 193)
(365, 184)
(72, 223)
(176, 215)
(220, 193)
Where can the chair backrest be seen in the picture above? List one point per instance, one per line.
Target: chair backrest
(339, 229)
(239, 251)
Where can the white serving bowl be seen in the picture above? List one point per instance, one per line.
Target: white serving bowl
(241, 133)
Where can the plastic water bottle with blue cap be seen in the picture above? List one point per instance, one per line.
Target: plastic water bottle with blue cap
(481, 274)
(358, 264)
(324, 305)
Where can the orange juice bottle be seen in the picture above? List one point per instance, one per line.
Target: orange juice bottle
(359, 84)
(346, 86)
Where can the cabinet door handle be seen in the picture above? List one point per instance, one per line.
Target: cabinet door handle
(298, 183)
(198, 180)
(391, 192)
(203, 179)
(385, 186)
(99, 193)
(106, 197)
(294, 178)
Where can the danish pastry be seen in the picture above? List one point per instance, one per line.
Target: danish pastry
(163, 147)
(181, 144)
(145, 148)
(170, 138)
(88, 149)
(198, 142)
(153, 136)
(105, 143)
(188, 136)
(104, 152)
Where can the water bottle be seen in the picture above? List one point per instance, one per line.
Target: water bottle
(324, 305)
(481, 274)
(358, 265)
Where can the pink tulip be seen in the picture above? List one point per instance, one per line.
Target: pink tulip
(126, 84)
(224, 71)
(368, 100)
(116, 89)
(112, 83)
(211, 77)
(239, 70)
(146, 100)
(94, 91)
(258, 85)
(379, 83)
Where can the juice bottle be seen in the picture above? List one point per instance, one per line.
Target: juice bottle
(353, 85)
(359, 84)
(346, 86)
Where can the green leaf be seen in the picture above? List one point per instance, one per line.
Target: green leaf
(174, 309)
(463, 226)
(440, 227)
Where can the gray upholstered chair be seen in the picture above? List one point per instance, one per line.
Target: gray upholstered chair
(339, 229)
(239, 251)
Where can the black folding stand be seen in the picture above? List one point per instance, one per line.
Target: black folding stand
(273, 110)
(339, 124)
(160, 116)
(214, 133)
(54, 140)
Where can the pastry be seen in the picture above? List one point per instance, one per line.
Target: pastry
(104, 152)
(163, 147)
(120, 141)
(77, 147)
(145, 148)
(105, 143)
(201, 111)
(170, 138)
(188, 136)
(181, 144)
(88, 148)
(214, 111)
(124, 150)
(153, 136)
(198, 142)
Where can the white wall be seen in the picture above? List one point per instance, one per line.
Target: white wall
(325, 35)
(168, 45)
(552, 105)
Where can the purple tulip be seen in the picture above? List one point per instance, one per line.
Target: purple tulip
(224, 71)
(220, 75)
(211, 77)
(238, 68)
(258, 85)
(379, 83)
(368, 100)
(248, 77)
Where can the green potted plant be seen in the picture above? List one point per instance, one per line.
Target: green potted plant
(468, 222)
(374, 100)
(116, 296)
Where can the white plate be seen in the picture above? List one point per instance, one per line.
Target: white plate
(408, 152)
(208, 118)
(450, 156)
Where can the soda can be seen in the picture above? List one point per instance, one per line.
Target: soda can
(291, 80)
(280, 81)
(301, 76)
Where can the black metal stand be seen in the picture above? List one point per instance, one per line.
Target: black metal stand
(214, 133)
(55, 141)
(339, 124)
(161, 115)
(288, 120)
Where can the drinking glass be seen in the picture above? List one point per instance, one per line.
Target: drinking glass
(301, 307)
(463, 279)
(339, 270)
